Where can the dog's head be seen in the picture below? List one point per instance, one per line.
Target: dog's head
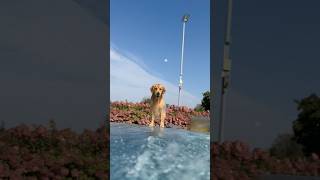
(157, 90)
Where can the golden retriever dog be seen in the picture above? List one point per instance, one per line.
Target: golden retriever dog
(158, 106)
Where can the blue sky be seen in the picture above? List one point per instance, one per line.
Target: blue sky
(146, 32)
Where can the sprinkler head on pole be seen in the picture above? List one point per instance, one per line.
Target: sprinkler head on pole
(185, 17)
(180, 80)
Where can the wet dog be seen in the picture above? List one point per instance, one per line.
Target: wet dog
(158, 106)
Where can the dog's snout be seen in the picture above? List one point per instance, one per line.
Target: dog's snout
(158, 93)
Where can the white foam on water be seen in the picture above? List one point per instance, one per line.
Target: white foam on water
(177, 154)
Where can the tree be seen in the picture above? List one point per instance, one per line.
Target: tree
(306, 127)
(284, 146)
(205, 103)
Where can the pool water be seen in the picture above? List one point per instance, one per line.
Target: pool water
(143, 153)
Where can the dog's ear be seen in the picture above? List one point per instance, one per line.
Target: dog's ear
(163, 89)
(152, 88)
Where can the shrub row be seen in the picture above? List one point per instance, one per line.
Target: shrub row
(235, 160)
(38, 152)
(139, 113)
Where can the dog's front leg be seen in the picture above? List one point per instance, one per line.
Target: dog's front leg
(152, 120)
(162, 118)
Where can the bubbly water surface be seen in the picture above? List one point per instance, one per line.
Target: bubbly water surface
(142, 153)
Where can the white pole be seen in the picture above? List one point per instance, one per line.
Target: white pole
(184, 19)
(225, 71)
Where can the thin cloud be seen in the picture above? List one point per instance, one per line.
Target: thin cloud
(138, 60)
(130, 81)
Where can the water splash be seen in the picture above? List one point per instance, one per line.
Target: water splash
(150, 154)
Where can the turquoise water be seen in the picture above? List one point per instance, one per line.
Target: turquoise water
(142, 153)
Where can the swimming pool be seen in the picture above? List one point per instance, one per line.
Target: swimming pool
(142, 153)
